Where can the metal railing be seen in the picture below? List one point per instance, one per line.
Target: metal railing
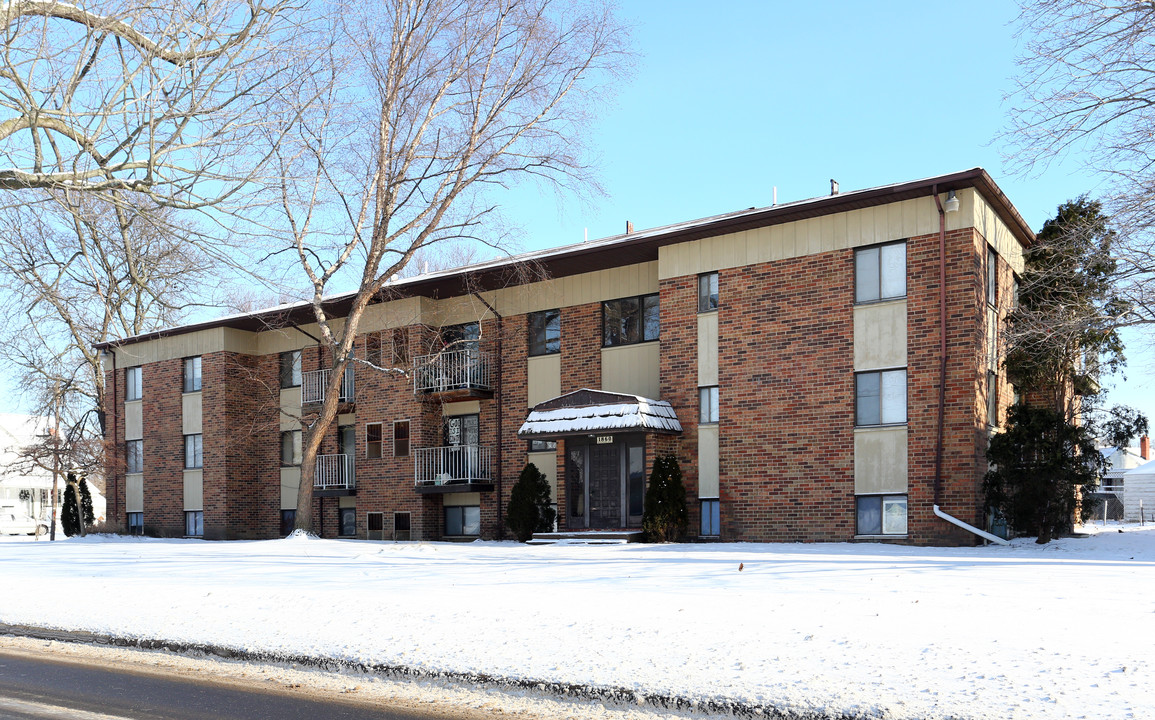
(453, 464)
(334, 472)
(314, 382)
(466, 369)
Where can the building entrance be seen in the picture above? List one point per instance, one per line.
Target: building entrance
(605, 482)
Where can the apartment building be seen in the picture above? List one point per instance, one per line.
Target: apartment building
(825, 370)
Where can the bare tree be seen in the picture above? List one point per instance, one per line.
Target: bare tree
(431, 102)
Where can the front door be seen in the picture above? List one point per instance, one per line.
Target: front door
(605, 484)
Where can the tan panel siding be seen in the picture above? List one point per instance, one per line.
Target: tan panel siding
(346, 419)
(133, 421)
(469, 407)
(190, 413)
(880, 460)
(290, 484)
(291, 408)
(708, 461)
(547, 463)
(134, 492)
(632, 369)
(201, 342)
(346, 501)
(880, 335)
(708, 349)
(543, 378)
(456, 499)
(194, 490)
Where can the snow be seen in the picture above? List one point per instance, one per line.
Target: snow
(1062, 630)
(645, 414)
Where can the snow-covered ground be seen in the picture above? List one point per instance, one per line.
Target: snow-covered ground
(1026, 631)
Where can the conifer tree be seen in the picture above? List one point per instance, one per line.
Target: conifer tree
(529, 508)
(664, 516)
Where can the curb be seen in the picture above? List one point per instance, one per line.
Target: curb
(617, 695)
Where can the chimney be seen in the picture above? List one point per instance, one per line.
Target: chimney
(629, 227)
(833, 186)
(1145, 447)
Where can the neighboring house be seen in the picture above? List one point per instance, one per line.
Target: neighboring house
(1139, 493)
(23, 488)
(807, 364)
(1128, 481)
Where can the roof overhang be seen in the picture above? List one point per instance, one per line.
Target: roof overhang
(597, 412)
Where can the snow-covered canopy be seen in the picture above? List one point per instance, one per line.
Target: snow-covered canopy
(594, 412)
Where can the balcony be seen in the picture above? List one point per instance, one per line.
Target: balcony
(334, 475)
(455, 374)
(313, 386)
(457, 468)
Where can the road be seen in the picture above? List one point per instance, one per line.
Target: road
(46, 689)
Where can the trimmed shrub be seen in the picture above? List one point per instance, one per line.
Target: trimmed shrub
(664, 517)
(529, 508)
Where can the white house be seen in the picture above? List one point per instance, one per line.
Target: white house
(25, 490)
(1130, 481)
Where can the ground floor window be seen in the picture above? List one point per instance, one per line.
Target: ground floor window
(194, 523)
(374, 526)
(288, 522)
(401, 526)
(711, 518)
(463, 520)
(136, 523)
(882, 514)
(347, 519)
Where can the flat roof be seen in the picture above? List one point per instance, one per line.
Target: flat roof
(614, 251)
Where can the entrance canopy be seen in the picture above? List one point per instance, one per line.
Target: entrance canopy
(597, 412)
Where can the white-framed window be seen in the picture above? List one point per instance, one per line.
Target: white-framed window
(708, 405)
(542, 445)
(401, 526)
(707, 292)
(374, 442)
(880, 397)
(374, 526)
(194, 451)
(711, 518)
(880, 272)
(545, 332)
(133, 388)
(192, 374)
(194, 523)
(136, 523)
(290, 448)
(881, 514)
(291, 369)
(134, 456)
(463, 520)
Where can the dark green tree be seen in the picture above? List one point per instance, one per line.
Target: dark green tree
(664, 516)
(529, 508)
(77, 500)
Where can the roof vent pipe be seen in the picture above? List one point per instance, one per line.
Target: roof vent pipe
(775, 196)
(629, 227)
(833, 186)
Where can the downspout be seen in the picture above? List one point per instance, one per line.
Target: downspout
(115, 426)
(500, 415)
(941, 347)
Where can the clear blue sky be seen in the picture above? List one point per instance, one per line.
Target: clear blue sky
(729, 103)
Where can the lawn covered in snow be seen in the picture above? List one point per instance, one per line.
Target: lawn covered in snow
(1026, 631)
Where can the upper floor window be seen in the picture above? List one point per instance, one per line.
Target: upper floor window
(992, 277)
(132, 383)
(194, 451)
(291, 369)
(545, 332)
(880, 397)
(707, 292)
(373, 440)
(134, 456)
(192, 374)
(373, 348)
(880, 272)
(399, 340)
(708, 404)
(457, 337)
(401, 438)
(630, 320)
(290, 448)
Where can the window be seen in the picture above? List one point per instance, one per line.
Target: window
(347, 521)
(136, 523)
(707, 292)
(193, 451)
(881, 514)
(708, 404)
(630, 320)
(400, 345)
(545, 332)
(992, 277)
(374, 445)
(192, 374)
(401, 526)
(880, 397)
(401, 438)
(710, 519)
(194, 523)
(288, 522)
(290, 448)
(880, 272)
(132, 384)
(373, 348)
(463, 520)
(542, 445)
(992, 399)
(291, 369)
(134, 456)
(375, 526)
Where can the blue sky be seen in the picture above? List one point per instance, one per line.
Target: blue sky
(727, 104)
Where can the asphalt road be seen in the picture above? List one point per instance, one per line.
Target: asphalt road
(44, 689)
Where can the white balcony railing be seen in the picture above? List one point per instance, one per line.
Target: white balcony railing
(464, 369)
(334, 472)
(314, 382)
(453, 464)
